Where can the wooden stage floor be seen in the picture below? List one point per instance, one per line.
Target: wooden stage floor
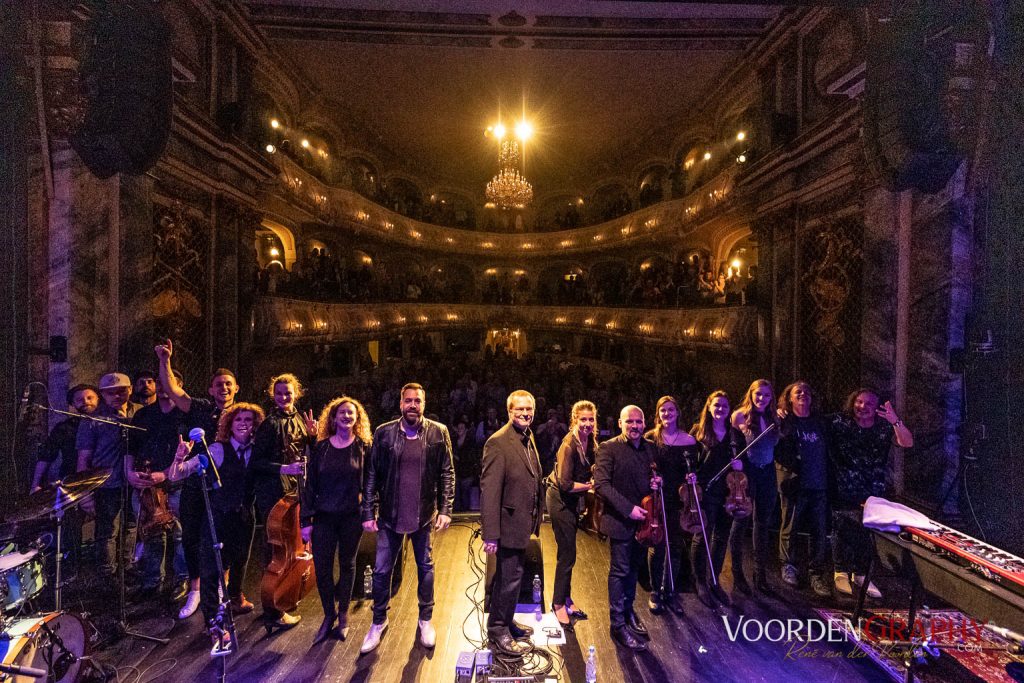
(690, 648)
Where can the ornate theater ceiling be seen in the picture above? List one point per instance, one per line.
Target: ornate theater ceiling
(607, 85)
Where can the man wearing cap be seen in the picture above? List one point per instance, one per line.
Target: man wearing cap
(99, 445)
(150, 455)
(204, 413)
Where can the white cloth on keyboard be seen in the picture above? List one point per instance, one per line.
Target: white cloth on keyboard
(886, 515)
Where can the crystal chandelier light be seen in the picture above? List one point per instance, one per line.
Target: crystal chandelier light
(509, 189)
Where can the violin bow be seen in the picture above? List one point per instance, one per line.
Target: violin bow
(736, 456)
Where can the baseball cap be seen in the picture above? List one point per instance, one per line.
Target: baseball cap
(114, 380)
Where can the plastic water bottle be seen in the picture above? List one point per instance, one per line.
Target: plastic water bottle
(591, 665)
(367, 582)
(537, 597)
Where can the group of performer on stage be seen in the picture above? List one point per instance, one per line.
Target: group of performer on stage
(399, 481)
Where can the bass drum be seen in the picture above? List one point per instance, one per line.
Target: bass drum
(57, 638)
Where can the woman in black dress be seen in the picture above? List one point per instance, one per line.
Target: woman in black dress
(677, 455)
(330, 507)
(570, 479)
(717, 439)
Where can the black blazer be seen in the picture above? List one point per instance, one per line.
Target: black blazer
(509, 490)
(622, 477)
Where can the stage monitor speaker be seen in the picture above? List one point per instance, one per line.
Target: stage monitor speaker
(126, 80)
(533, 565)
(906, 135)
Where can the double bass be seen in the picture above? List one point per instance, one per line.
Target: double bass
(289, 575)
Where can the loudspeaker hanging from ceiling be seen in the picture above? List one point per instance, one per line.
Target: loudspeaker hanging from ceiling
(126, 79)
(906, 133)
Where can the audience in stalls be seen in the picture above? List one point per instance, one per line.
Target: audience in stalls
(651, 285)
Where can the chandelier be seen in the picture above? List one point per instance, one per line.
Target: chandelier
(509, 189)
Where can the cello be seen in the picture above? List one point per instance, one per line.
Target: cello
(289, 575)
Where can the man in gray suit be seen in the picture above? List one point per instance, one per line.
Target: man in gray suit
(509, 515)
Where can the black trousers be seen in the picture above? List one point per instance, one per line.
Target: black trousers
(765, 492)
(333, 535)
(679, 553)
(718, 525)
(234, 531)
(562, 509)
(851, 542)
(508, 576)
(803, 509)
(626, 557)
(192, 515)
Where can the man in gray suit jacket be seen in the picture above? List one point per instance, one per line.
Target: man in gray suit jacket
(509, 515)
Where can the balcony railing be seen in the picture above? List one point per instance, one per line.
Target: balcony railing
(342, 207)
(287, 322)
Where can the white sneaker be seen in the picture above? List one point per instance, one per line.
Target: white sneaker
(190, 606)
(842, 581)
(428, 637)
(373, 636)
(873, 591)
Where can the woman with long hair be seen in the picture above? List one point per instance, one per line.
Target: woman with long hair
(862, 437)
(231, 507)
(281, 442)
(677, 455)
(330, 507)
(567, 484)
(717, 440)
(754, 417)
(801, 466)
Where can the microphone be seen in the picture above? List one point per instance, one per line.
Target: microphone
(23, 408)
(197, 435)
(18, 670)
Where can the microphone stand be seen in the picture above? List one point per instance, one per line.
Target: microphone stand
(666, 571)
(224, 620)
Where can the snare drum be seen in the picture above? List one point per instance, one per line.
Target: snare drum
(22, 578)
(58, 637)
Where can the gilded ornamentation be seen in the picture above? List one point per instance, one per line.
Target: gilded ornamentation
(828, 282)
(174, 258)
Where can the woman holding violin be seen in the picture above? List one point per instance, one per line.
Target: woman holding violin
(330, 507)
(755, 416)
(567, 484)
(718, 441)
(677, 451)
(280, 447)
(231, 506)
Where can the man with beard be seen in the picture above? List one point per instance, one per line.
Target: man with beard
(144, 389)
(203, 413)
(83, 399)
(509, 515)
(622, 477)
(408, 480)
(99, 445)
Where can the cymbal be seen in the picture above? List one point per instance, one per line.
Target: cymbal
(59, 496)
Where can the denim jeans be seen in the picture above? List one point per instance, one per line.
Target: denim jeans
(166, 545)
(389, 543)
(108, 521)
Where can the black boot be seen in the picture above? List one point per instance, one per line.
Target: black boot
(326, 626)
(623, 636)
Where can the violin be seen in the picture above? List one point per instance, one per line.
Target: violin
(738, 502)
(691, 497)
(289, 575)
(652, 531)
(155, 516)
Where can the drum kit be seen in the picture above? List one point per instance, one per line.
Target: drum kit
(49, 646)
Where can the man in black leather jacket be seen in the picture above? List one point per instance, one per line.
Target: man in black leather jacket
(408, 479)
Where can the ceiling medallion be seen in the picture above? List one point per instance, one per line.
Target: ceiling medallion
(513, 18)
(509, 189)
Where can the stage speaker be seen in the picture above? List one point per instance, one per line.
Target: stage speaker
(906, 134)
(126, 80)
(366, 557)
(533, 565)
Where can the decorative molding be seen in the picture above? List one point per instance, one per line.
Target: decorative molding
(289, 322)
